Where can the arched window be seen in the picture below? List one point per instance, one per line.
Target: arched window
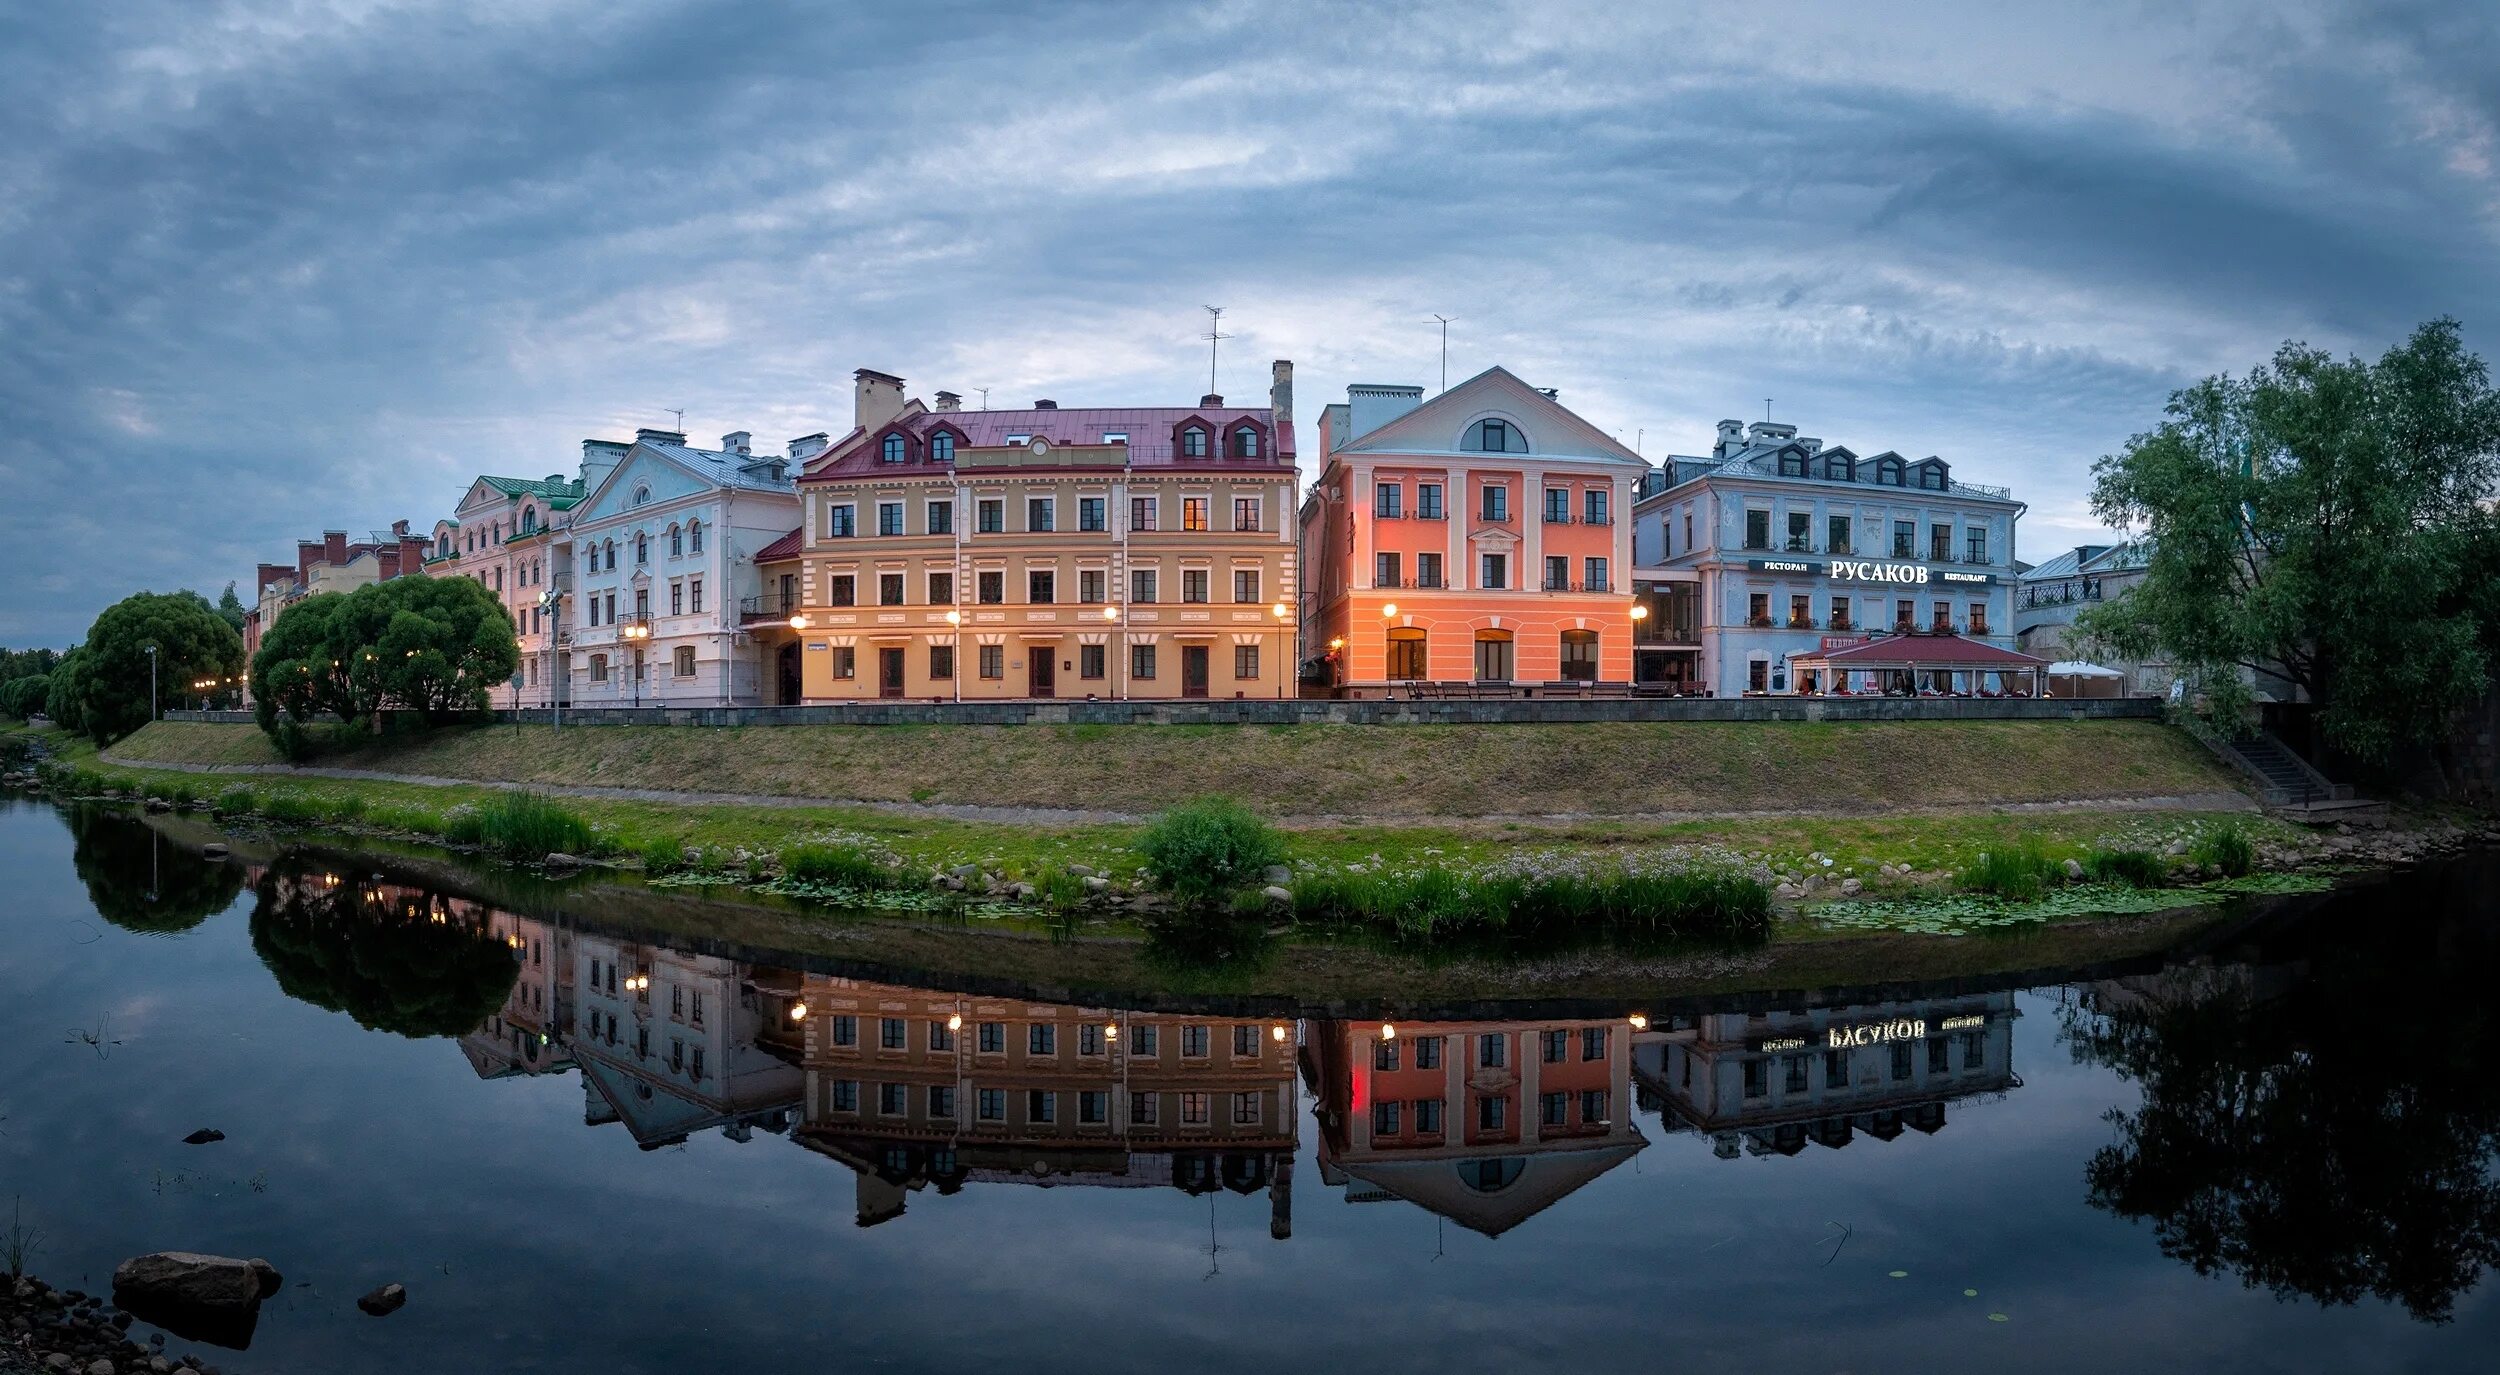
(642, 550)
(529, 519)
(610, 549)
(497, 532)
(676, 543)
(642, 496)
(694, 536)
(941, 447)
(1406, 654)
(1490, 1176)
(1579, 656)
(894, 448)
(1193, 443)
(1245, 442)
(1496, 437)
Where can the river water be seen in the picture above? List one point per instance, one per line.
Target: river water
(584, 1150)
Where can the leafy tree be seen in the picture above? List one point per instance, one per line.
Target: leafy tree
(432, 645)
(232, 609)
(2334, 1133)
(27, 663)
(111, 689)
(2320, 520)
(378, 953)
(62, 701)
(139, 880)
(23, 697)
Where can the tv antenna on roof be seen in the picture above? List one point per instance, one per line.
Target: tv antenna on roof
(1445, 350)
(1215, 331)
(1766, 410)
(985, 397)
(680, 413)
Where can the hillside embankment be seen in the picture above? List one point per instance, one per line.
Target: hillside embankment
(1390, 774)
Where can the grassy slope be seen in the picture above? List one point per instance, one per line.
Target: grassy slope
(1363, 771)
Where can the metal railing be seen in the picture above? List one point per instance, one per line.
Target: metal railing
(770, 606)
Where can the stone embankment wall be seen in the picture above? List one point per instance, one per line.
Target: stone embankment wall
(1287, 713)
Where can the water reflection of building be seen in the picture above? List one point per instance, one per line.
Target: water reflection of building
(530, 1034)
(918, 1089)
(671, 1043)
(1484, 1123)
(1768, 1083)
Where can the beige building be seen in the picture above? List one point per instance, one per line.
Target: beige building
(949, 554)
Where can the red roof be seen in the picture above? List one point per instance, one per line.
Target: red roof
(1927, 651)
(784, 548)
(1149, 430)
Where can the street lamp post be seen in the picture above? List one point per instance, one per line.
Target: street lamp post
(151, 682)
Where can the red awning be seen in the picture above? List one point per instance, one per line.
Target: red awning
(1922, 651)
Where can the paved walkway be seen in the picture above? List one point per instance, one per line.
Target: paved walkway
(1064, 816)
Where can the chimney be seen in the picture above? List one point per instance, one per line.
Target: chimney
(1553, 394)
(399, 528)
(877, 397)
(1280, 395)
(1368, 407)
(412, 550)
(807, 446)
(1210, 400)
(948, 401)
(659, 437)
(1045, 405)
(277, 573)
(736, 442)
(334, 547)
(307, 553)
(599, 458)
(1731, 438)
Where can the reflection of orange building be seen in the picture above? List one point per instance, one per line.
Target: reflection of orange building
(1479, 537)
(916, 1088)
(1485, 1123)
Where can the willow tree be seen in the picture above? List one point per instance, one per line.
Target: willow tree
(2324, 521)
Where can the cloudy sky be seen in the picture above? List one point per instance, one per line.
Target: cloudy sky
(270, 266)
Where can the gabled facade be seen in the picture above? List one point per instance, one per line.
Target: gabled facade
(946, 554)
(507, 533)
(663, 549)
(1474, 538)
(1775, 547)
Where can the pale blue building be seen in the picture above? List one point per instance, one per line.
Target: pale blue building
(1775, 548)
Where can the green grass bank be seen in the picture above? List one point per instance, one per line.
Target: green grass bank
(1391, 773)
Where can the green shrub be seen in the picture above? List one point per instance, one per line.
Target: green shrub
(2225, 849)
(237, 799)
(1204, 850)
(522, 825)
(835, 866)
(2134, 868)
(1526, 911)
(661, 856)
(2020, 872)
(292, 807)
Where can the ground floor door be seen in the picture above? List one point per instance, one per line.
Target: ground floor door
(786, 684)
(1193, 670)
(1042, 678)
(889, 672)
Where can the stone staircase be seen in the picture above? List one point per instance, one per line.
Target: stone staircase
(2283, 778)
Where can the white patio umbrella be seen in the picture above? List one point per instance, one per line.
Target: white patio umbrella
(2077, 668)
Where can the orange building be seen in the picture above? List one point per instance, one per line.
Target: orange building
(1475, 538)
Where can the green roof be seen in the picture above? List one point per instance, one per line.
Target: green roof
(538, 487)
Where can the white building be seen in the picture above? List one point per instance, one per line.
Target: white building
(663, 550)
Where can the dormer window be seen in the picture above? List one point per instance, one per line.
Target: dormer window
(895, 449)
(529, 519)
(1931, 476)
(941, 447)
(1837, 468)
(1193, 443)
(1019, 439)
(1888, 472)
(1245, 442)
(1792, 463)
(1115, 436)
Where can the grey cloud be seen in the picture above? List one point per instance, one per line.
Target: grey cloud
(266, 268)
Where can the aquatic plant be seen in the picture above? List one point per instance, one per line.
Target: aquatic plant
(2133, 868)
(834, 865)
(2022, 870)
(1623, 904)
(521, 825)
(2225, 849)
(1201, 851)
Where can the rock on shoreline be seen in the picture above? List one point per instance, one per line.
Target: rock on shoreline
(54, 1330)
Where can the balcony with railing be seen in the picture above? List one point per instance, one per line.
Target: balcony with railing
(769, 606)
